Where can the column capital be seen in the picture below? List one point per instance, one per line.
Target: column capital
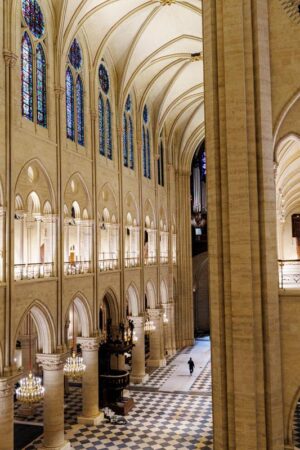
(51, 361)
(155, 313)
(90, 344)
(10, 58)
(137, 320)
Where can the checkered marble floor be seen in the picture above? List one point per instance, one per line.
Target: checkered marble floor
(159, 420)
(203, 382)
(297, 426)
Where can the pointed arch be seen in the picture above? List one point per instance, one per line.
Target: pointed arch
(151, 295)
(101, 118)
(44, 324)
(27, 77)
(163, 292)
(111, 297)
(84, 313)
(133, 300)
(41, 89)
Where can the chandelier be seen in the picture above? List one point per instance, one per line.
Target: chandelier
(31, 389)
(74, 367)
(149, 326)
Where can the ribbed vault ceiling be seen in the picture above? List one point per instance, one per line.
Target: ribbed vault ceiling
(150, 47)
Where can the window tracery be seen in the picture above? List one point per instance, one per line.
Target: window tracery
(128, 135)
(105, 114)
(33, 64)
(160, 165)
(146, 145)
(75, 95)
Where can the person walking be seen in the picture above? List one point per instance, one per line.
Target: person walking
(191, 365)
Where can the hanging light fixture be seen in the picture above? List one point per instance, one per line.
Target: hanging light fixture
(31, 389)
(149, 326)
(74, 367)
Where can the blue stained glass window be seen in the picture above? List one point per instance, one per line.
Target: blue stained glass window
(101, 125)
(80, 111)
(160, 165)
(108, 130)
(103, 79)
(145, 114)
(27, 77)
(128, 104)
(125, 140)
(148, 158)
(75, 56)
(144, 153)
(203, 165)
(70, 105)
(33, 16)
(41, 91)
(131, 144)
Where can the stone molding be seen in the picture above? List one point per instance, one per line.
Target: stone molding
(10, 58)
(137, 320)
(155, 313)
(89, 344)
(6, 388)
(50, 361)
(59, 91)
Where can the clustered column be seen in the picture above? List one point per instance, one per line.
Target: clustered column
(157, 358)
(53, 369)
(90, 382)
(138, 372)
(6, 414)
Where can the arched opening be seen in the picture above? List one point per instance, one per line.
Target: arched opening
(109, 231)
(34, 224)
(149, 235)
(77, 228)
(132, 233)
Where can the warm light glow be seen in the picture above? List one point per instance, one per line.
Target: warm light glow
(74, 367)
(30, 390)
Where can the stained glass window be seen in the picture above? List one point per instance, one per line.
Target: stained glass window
(144, 153)
(128, 104)
(148, 156)
(101, 125)
(203, 165)
(103, 79)
(27, 77)
(33, 16)
(160, 165)
(80, 111)
(70, 105)
(145, 114)
(41, 91)
(131, 144)
(75, 56)
(125, 140)
(108, 130)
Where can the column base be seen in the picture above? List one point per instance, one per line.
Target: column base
(96, 420)
(65, 446)
(134, 379)
(156, 362)
(171, 352)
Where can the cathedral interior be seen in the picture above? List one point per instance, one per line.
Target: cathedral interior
(150, 224)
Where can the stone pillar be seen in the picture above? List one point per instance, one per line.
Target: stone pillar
(169, 340)
(244, 303)
(157, 357)
(90, 382)
(28, 341)
(6, 414)
(53, 370)
(138, 372)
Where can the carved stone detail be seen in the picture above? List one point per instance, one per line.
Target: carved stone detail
(89, 344)
(51, 361)
(10, 58)
(6, 388)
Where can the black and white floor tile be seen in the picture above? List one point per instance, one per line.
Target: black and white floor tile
(159, 420)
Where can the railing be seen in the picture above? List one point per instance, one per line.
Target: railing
(150, 260)
(131, 261)
(77, 267)
(164, 258)
(108, 261)
(33, 271)
(289, 273)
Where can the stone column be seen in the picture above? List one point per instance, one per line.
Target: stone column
(244, 303)
(169, 330)
(28, 341)
(157, 357)
(53, 370)
(138, 372)
(90, 382)
(6, 414)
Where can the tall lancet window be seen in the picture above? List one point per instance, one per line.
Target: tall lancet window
(33, 64)
(105, 114)
(128, 135)
(160, 164)
(75, 95)
(146, 144)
